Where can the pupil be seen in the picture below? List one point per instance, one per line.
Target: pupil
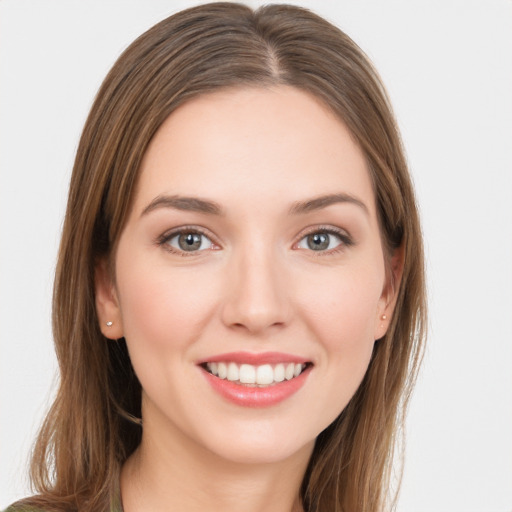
(189, 241)
(318, 241)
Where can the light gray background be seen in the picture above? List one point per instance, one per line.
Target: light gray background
(448, 67)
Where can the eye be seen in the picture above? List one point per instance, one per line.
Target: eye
(188, 241)
(323, 240)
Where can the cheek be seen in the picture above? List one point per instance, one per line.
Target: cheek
(343, 309)
(162, 310)
(340, 312)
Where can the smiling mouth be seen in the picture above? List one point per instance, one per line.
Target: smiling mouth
(255, 375)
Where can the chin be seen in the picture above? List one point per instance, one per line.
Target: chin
(260, 445)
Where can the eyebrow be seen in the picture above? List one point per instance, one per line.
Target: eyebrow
(320, 202)
(195, 204)
(191, 204)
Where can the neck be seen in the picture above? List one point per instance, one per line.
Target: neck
(173, 473)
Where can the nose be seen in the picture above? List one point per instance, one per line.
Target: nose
(257, 294)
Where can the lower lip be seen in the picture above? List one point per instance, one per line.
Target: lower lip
(247, 396)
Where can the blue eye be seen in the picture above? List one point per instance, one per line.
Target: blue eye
(321, 241)
(189, 241)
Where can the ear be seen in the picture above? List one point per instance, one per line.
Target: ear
(389, 295)
(107, 304)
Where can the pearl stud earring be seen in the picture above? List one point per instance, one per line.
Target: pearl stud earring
(109, 323)
(384, 317)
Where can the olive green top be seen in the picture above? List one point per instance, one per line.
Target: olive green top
(22, 508)
(116, 507)
(26, 508)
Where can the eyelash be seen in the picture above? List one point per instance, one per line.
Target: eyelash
(345, 239)
(163, 240)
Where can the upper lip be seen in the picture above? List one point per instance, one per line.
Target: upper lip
(255, 359)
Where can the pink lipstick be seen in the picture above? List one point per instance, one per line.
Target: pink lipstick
(256, 380)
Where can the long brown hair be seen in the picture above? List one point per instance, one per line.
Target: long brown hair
(92, 427)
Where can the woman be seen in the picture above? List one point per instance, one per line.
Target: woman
(239, 298)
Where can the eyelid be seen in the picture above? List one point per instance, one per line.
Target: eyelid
(162, 239)
(344, 236)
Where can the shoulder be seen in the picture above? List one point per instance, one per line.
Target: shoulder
(27, 507)
(22, 508)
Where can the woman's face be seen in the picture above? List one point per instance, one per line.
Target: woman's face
(252, 253)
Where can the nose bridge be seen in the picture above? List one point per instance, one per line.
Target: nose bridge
(257, 294)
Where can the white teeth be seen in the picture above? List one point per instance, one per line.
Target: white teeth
(279, 372)
(232, 372)
(247, 374)
(222, 370)
(263, 375)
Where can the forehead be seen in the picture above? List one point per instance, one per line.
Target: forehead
(269, 144)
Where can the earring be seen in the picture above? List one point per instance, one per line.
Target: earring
(384, 317)
(109, 323)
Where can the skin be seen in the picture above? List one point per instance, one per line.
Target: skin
(255, 285)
